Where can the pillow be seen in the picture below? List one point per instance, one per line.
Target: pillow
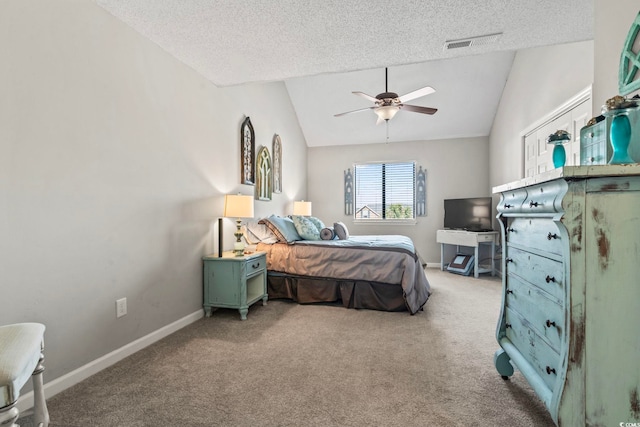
(282, 227)
(305, 227)
(254, 233)
(316, 221)
(341, 230)
(327, 233)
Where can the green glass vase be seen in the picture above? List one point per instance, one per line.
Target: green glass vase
(559, 155)
(620, 137)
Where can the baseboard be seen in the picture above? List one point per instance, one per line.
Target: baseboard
(51, 388)
(433, 265)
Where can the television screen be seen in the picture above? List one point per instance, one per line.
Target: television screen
(473, 214)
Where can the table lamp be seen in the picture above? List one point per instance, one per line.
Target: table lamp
(238, 206)
(302, 208)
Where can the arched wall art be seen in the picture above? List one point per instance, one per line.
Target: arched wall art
(264, 172)
(277, 164)
(247, 149)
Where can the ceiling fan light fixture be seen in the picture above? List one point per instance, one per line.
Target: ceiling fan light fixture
(386, 112)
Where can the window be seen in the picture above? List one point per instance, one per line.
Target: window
(384, 191)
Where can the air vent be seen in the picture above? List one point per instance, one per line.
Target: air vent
(472, 41)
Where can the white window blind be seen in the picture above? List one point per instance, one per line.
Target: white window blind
(384, 190)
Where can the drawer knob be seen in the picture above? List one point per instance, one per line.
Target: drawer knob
(550, 323)
(552, 236)
(550, 279)
(508, 260)
(511, 230)
(509, 291)
(533, 204)
(507, 325)
(508, 206)
(550, 370)
(255, 265)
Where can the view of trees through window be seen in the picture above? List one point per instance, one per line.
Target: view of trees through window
(384, 190)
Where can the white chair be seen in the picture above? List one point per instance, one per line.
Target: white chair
(21, 347)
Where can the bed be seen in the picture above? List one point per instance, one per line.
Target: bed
(381, 272)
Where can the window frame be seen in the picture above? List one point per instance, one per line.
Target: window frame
(379, 221)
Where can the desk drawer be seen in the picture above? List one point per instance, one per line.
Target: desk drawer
(536, 233)
(542, 357)
(545, 273)
(541, 311)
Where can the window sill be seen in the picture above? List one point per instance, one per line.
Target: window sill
(385, 221)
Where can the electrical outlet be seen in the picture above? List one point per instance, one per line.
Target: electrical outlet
(121, 307)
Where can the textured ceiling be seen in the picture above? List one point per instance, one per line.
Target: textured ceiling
(324, 49)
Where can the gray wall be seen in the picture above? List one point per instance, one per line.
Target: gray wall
(455, 168)
(114, 159)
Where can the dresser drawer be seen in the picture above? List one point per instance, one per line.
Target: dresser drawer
(544, 199)
(545, 273)
(541, 311)
(256, 265)
(594, 144)
(512, 201)
(536, 233)
(544, 359)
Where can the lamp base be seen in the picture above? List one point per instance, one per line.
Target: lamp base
(238, 246)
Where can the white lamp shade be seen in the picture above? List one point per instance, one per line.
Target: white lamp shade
(387, 112)
(302, 208)
(238, 206)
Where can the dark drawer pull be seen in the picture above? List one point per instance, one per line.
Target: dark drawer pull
(550, 279)
(533, 204)
(254, 266)
(509, 291)
(510, 230)
(550, 323)
(508, 260)
(507, 325)
(552, 236)
(508, 206)
(550, 370)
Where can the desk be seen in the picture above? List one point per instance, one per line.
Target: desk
(470, 239)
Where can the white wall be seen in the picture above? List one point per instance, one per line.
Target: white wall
(612, 23)
(541, 80)
(455, 168)
(114, 159)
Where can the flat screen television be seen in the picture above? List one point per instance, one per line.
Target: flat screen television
(472, 214)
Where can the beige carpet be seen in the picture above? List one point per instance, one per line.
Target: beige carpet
(317, 365)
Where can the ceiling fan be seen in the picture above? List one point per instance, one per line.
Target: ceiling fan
(387, 104)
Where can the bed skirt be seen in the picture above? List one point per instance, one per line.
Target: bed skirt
(352, 293)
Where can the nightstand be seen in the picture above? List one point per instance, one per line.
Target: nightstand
(234, 281)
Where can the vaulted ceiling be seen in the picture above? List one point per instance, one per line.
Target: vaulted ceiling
(323, 50)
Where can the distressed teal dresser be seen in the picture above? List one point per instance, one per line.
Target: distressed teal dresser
(570, 314)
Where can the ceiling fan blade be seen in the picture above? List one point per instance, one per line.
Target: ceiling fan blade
(418, 109)
(427, 90)
(354, 111)
(364, 95)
